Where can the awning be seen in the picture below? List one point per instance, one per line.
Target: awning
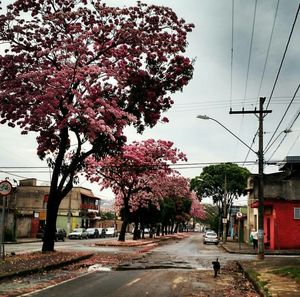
(256, 204)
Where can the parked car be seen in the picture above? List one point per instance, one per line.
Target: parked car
(102, 232)
(78, 233)
(92, 232)
(210, 237)
(111, 232)
(60, 234)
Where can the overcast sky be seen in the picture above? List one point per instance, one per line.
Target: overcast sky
(210, 91)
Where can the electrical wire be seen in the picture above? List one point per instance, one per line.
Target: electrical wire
(297, 138)
(250, 51)
(283, 115)
(283, 57)
(231, 52)
(249, 150)
(286, 131)
(268, 51)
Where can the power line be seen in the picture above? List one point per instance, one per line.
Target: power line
(284, 114)
(283, 57)
(286, 131)
(250, 51)
(231, 52)
(268, 50)
(297, 138)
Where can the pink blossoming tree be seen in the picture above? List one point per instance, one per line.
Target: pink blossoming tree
(197, 209)
(133, 174)
(78, 72)
(176, 206)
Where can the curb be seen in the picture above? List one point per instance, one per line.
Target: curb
(275, 252)
(236, 252)
(45, 268)
(252, 280)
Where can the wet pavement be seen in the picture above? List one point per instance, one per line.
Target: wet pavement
(190, 256)
(179, 268)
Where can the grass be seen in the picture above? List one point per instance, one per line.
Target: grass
(292, 272)
(260, 285)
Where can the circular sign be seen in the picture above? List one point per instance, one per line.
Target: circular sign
(239, 214)
(5, 188)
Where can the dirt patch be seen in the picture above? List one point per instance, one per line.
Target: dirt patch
(37, 261)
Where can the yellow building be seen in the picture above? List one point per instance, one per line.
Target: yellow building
(27, 206)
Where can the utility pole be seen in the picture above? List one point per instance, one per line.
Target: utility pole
(225, 211)
(260, 155)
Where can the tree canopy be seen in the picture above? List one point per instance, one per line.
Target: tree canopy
(78, 72)
(136, 175)
(223, 183)
(214, 180)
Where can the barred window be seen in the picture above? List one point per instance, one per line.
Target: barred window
(297, 213)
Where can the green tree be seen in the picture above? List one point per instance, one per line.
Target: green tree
(223, 183)
(211, 216)
(108, 215)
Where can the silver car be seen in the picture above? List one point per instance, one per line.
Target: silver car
(210, 237)
(78, 233)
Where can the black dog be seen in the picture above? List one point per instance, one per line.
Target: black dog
(216, 267)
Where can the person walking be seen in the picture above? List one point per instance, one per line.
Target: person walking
(254, 238)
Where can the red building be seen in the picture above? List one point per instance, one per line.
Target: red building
(281, 206)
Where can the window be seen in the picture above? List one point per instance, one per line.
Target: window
(297, 213)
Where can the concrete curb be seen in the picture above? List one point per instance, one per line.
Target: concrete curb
(253, 281)
(236, 251)
(267, 252)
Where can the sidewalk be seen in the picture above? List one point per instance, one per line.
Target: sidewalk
(264, 273)
(243, 248)
(24, 240)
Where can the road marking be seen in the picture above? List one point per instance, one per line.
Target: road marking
(133, 282)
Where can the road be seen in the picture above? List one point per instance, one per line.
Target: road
(181, 268)
(86, 245)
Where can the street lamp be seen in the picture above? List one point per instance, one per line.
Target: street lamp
(205, 117)
(260, 155)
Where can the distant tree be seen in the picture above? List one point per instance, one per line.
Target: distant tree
(133, 174)
(211, 216)
(78, 72)
(216, 180)
(107, 215)
(177, 201)
(197, 209)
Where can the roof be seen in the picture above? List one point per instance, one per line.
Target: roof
(290, 162)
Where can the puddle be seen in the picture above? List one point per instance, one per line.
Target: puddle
(98, 267)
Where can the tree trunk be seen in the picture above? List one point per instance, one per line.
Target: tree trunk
(158, 230)
(50, 229)
(176, 228)
(123, 230)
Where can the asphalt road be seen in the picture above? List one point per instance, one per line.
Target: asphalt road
(181, 268)
(84, 245)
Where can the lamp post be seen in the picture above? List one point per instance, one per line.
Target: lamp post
(205, 117)
(260, 155)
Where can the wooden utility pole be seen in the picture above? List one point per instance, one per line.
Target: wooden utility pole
(260, 155)
(225, 211)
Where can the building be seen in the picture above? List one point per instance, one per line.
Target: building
(26, 209)
(281, 205)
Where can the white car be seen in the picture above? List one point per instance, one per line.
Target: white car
(102, 232)
(78, 233)
(210, 237)
(110, 232)
(92, 232)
